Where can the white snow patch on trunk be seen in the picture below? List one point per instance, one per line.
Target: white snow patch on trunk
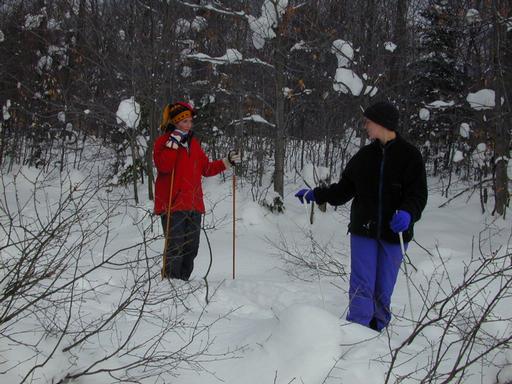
(458, 156)
(482, 99)
(348, 82)
(263, 27)
(128, 113)
(424, 114)
(464, 130)
(390, 46)
(343, 51)
(472, 16)
(5, 110)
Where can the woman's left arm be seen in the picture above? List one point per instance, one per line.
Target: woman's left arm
(212, 168)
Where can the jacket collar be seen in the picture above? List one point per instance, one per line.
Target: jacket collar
(379, 145)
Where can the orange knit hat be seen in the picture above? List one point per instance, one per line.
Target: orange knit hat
(174, 113)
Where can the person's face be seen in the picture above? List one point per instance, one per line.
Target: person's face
(373, 129)
(185, 125)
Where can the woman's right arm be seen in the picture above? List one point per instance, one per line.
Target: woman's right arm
(163, 156)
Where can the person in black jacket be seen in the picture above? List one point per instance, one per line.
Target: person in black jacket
(386, 181)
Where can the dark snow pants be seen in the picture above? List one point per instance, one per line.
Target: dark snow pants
(183, 243)
(374, 270)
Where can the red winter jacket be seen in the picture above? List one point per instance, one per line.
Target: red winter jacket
(189, 168)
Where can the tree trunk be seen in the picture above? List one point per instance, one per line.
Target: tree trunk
(397, 62)
(502, 137)
(280, 135)
(279, 153)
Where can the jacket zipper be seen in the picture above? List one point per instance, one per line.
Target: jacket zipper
(381, 186)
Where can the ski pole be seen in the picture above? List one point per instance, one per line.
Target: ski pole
(306, 207)
(234, 223)
(402, 247)
(167, 229)
(309, 215)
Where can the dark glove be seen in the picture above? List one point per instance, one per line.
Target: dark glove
(234, 157)
(400, 221)
(306, 194)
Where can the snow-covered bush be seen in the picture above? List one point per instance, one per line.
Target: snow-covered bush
(273, 202)
(465, 321)
(76, 302)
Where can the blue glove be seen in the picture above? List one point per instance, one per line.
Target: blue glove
(400, 221)
(306, 194)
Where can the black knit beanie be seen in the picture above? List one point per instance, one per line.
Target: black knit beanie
(383, 113)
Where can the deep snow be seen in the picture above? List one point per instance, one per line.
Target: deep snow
(280, 328)
(296, 329)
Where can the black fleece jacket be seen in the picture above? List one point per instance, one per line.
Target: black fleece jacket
(381, 179)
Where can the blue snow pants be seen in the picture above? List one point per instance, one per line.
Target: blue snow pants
(374, 271)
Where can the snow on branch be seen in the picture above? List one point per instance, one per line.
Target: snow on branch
(483, 99)
(232, 56)
(263, 27)
(254, 118)
(210, 7)
(346, 80)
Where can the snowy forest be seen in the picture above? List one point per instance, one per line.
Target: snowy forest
(82, 87)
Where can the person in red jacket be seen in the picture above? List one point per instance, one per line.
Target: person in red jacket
(181, 164)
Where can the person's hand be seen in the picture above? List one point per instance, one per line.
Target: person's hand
(306, 194)
(400, 221)
(234, 157)
(176, 139)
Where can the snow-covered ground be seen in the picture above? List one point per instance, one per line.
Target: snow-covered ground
(294, 331)
(269, 324)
